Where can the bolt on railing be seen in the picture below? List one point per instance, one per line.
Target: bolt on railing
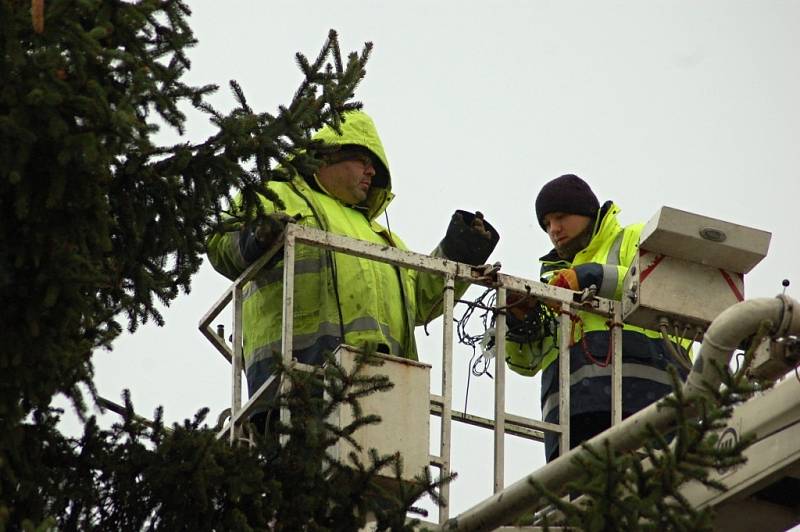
(441, 405)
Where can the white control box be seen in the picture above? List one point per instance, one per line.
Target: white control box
(688, 269)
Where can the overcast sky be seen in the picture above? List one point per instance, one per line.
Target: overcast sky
(690, 104)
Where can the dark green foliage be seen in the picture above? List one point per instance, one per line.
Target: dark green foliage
(97, 219)
(143, 476)
(620, 491)
(100, 222)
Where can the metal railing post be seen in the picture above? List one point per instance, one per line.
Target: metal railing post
(447, 392)
(565, 340)
(500, 393)
(616, 365)
(288, 318)
(236, 359)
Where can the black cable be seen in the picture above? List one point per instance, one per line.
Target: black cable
(487, 318)
(386, 215)
(538, 323)
(469, 378)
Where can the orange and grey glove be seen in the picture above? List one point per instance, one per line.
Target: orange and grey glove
(567, 278)
(579, 277)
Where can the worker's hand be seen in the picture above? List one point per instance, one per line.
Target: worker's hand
(519, 305)
(268, 228)
(566, 278)
(523, 318)
(477, 225)
(579, 277)
(259, 236)
(470, 238)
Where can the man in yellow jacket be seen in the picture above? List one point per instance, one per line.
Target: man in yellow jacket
(339, 298)
(590, 248)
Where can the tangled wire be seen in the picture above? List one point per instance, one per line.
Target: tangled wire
(538, 322)
(479, 362)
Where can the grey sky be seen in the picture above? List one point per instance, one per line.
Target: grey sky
(691, 104)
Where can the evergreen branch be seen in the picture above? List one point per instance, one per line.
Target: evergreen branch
(108, 223)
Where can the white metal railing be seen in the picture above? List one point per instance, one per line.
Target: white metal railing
(441, 405)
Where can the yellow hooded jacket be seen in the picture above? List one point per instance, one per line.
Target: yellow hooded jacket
(339, 298)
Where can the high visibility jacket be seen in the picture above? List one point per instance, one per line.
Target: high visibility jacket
(338, 298)
(645, 361)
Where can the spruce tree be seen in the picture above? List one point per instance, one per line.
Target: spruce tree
(98, 220)
(100, 223)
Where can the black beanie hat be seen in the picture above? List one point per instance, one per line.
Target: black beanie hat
(568, 194)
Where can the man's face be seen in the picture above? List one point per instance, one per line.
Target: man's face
(349, 178)
(562, 228)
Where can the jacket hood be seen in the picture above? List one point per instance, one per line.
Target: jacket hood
(358, 129)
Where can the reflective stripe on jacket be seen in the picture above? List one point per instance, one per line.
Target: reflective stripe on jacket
(335, 294)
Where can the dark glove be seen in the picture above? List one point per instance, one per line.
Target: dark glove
(257, 238)
(527, 319)
(518, 305)
(520, 309)
(469, 238)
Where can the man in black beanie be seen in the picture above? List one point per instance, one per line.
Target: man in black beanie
(570, 207)
(590, 248)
